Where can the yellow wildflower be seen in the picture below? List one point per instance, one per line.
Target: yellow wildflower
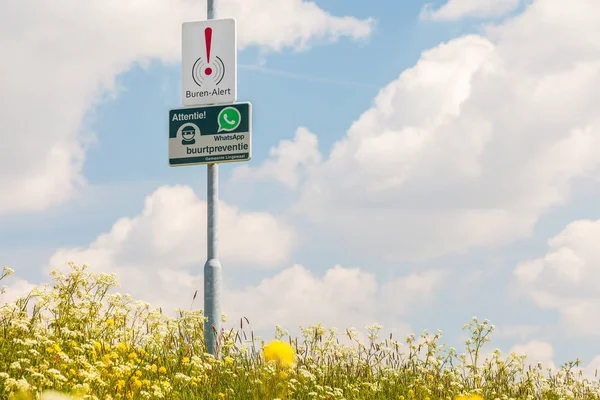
(162, 370)
(228, 360)
(185, 360)
(110, 321)
(153, 368)
(53, 395)
(280, 352)
(22, 395)
(469, 397)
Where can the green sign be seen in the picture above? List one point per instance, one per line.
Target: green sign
(210, 134)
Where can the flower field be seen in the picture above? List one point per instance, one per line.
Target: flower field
(76, 337)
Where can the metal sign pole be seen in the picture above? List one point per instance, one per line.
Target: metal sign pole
(212, 267)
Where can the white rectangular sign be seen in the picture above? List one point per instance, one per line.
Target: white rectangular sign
(209, 62)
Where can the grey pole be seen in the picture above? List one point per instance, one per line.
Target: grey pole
(212, 268)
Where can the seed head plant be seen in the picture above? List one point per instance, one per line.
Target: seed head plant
(77, 338)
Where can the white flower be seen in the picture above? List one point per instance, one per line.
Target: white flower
(182, 377)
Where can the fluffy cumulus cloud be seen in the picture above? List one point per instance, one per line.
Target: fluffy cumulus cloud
(456, 9)
(15, 289)
(473, 144)
(537, 351)
(61, 58)
(341, 298)
(533, 352)
(289, 162)
(158, 257)
(541, 352)
(159, 254)
(567, 278)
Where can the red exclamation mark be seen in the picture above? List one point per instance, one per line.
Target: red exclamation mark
(208, 40)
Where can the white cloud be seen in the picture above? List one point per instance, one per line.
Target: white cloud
(16, 289)
(172, 229)
(160, 253)
(60, 58)
(537, 351)
(533, 352)
(158, 257)
(454, 10)
(470, 146)
(289, 23)
(567, 278)
(341, 298)
(289, 162)
(591, 370)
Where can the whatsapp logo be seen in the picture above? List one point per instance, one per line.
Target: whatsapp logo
(229, 119)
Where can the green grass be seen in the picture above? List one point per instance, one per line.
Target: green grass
(74, 336)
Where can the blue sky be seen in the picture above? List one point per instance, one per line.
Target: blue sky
(464, 166)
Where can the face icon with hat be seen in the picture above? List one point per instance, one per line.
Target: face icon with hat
(187, 134)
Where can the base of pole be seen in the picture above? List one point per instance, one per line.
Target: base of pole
(212, 306)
